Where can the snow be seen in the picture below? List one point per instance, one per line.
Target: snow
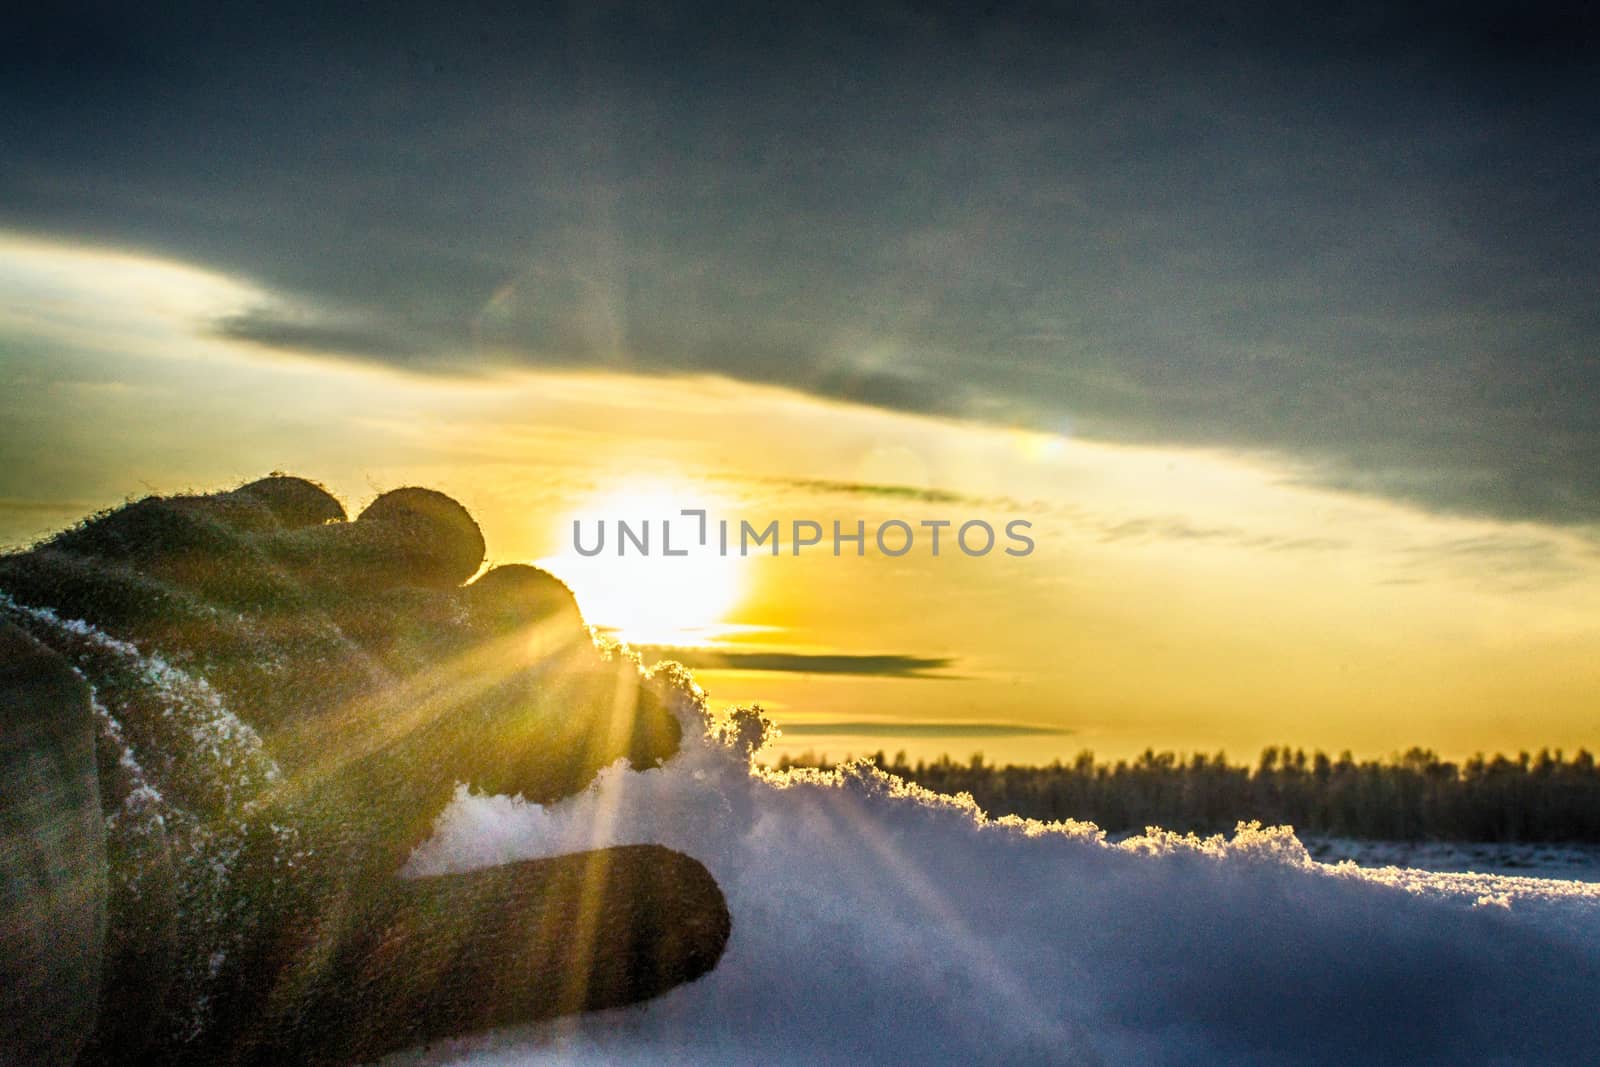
(877, 922)
(191, 782)
(1544, 860)
(202, 726)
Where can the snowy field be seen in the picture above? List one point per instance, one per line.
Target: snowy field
(875, 922)
(1580, 862)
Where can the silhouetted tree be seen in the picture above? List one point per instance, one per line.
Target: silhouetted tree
(1410, 796)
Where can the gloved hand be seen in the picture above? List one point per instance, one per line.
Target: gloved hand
(281, 702)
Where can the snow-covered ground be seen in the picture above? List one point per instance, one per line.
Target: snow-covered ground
(1580, 862)
(875, 922)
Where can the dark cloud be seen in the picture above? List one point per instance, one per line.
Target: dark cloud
(888, 665)
(1361, 236)
(921, 729)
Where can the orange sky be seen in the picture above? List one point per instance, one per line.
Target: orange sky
(1177, 598)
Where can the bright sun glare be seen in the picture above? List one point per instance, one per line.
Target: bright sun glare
(655, 598)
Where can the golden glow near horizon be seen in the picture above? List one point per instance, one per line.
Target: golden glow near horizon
(1178, 598)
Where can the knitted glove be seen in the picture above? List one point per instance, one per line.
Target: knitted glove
(231, 718)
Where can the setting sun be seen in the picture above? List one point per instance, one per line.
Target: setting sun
(654, 598)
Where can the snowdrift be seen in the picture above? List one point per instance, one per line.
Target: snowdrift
(874, 921)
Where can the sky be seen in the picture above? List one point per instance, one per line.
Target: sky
(1280, 330)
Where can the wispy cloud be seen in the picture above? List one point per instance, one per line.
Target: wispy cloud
(1151, 529)
(900, 728)
(1508, 562)
(886, 665)
(327, 335)
(893, 492)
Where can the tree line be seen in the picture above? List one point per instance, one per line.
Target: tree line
(1414, 796)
